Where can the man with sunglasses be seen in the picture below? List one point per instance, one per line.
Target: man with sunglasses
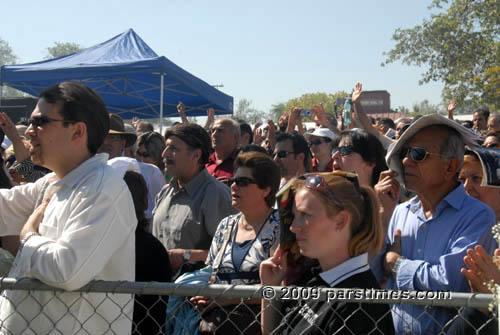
(76, 224)
(292, 155)
(428, 235)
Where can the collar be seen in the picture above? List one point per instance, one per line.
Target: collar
(347, 269)
(82, 170)
(212, 159)
(194, 184)
(454, 199)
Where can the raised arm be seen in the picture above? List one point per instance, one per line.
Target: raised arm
(181, 109)
(451, 107)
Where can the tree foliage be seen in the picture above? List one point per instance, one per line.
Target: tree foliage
(8, 57)
(424, 108)
(245, 112)
(315, 99)
(460, 44)
(62, 49)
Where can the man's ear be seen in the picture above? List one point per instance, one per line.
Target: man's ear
(79, 131)
(196, 154)
(452, 168)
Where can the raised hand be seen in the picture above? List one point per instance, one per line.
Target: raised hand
(482, 269)
(356, 92)
(273, 270)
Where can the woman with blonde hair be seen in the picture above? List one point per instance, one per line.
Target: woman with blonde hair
(335, 222)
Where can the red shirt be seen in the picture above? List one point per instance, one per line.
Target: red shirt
(223, 169)
(329, 167)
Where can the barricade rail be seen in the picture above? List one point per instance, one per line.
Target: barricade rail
(37, 308)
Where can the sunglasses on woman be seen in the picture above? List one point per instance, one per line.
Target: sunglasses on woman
(416, 154)
(318, 183)
(241, 181)
(144, 154)
(344, 150)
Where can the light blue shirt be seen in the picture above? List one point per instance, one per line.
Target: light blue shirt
(434, 249)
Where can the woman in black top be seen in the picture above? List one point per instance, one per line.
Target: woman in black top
(335, 222)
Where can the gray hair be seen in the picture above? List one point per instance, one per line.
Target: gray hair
(453, 146)
(235, 126)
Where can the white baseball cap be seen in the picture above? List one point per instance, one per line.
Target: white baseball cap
(321, 132)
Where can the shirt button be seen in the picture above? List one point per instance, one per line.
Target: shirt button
(425, 225)
(419, 250)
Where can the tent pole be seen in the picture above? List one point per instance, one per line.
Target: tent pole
(161, 103)
(1, 89)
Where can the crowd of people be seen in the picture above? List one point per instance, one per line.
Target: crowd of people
(394, 204)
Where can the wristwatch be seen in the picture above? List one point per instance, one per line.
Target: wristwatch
(187, 255)
(396, 266)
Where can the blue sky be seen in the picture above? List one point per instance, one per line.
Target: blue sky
(263, 51)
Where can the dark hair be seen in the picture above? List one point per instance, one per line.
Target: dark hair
(139, 190)
(81, 104)
(388, 122)
(492, 133)
(194, 136)
(264, 170)
(155, 144)
(145, 126)
(246, 129)
(483, 112)
(299, 145)
(4, 179)
(370, 149)
(253, 148)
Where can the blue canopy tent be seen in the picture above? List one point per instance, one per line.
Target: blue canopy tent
(130, 77)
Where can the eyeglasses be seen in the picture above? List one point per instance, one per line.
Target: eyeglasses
(142, 153)
(242, 181)
(318, 182)
(315, 142)
(417, 154)
(492, 145)
(282, 153)
(38, 121)
(345, 150)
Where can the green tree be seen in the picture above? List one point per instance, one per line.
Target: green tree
(460, 44)
(314, 99)
(424, 107)
(8, 57)
(277, 110)
(244, 111)
(62, 49)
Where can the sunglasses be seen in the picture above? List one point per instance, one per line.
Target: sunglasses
(345, 150)
(282, 153)
(318, 183)
(142, 153)
(417, 154)
(315, 142)
(241, 181)
(38, 121)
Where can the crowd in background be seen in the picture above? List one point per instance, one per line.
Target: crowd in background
(377, 203)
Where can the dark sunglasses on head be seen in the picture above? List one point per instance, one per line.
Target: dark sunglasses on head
(345, 150)
(38, 121)
(282, 153)
(316, 182)
(142, 153)
(417, 154)
(241, 181)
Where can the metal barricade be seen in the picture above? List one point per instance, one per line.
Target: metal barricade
(101, 307)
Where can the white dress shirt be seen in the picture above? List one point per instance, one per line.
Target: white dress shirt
(87, 233)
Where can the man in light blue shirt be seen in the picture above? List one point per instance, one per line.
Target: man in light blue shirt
(429, 235)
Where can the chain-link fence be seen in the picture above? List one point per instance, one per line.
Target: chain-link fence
(30, 307)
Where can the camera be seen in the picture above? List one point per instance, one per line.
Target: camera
(306, 113)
